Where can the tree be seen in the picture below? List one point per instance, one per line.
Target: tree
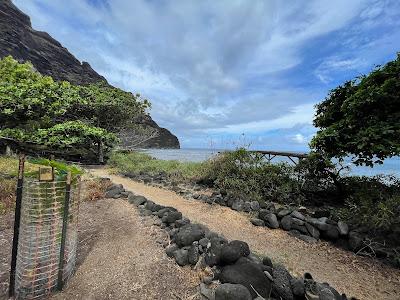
(361, 118)
(37, 109)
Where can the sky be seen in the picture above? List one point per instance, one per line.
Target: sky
(227, 73)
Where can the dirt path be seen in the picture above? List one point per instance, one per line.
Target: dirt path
(356, 276)
(125, 261)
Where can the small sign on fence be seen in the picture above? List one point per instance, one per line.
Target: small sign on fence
(46, 174)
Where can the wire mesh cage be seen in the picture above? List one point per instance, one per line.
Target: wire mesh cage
(40, 237)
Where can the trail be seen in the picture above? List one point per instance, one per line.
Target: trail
(356, 276)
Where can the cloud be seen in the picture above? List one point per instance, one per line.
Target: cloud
(226, 67)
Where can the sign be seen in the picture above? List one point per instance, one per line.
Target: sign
(46, 174)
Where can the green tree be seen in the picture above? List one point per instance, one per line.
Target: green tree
(361, 118)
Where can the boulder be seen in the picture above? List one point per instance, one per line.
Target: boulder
(173, 216)
(298, 215)
(171, 249)
(298, 287)
(182, 222)
(281, 286)
(257, 222)
(286, 222)
(232, 251)
(283, 212)
(267, 261)
(149, 205)
(271, 221)
(181, 257)
(255, 205)
(114, 191)
(238, 205)
(301, 228)
(193, 254)
(228, 291)
(307, 238)
(189, 233)
(249, 275)
(332, 233)
(343, 228)
(355, 240)
(213, 253)
(247, 206)
(314, 232)
(136, 200)
(204, 242)
(262, 214)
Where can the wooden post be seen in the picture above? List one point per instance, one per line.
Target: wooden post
(60, 281)
(17, 221)
(100, 152)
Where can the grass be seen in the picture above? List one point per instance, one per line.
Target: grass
(141, 163)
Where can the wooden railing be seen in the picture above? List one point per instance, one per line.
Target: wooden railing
(269, 155)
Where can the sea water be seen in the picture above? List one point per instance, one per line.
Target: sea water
(389, 167)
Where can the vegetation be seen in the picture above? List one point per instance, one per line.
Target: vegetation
(361, 117)
(58, 115)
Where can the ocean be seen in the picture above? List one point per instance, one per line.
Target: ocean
(390, 166)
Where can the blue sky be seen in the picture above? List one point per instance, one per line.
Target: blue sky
(215, 70)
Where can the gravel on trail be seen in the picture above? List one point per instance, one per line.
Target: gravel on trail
(361, 277)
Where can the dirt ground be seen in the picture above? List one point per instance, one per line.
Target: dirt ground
(120, 256)
(356, 276)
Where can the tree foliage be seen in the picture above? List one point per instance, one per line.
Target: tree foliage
(362, 117)
(35, 108)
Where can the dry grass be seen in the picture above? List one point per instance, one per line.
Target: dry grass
(95, 189)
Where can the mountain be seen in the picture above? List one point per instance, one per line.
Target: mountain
(49, 57)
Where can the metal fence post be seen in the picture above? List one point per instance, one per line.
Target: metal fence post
(60, 282)
(17, 220)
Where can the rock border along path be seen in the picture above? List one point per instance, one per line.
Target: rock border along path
(360, 277)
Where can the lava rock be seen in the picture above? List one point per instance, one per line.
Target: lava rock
(189, 233)
(171, 249)
(229, 291)
(173, 216)
(213, 254)
(314, 232)
(136, 200)
(286, 222)
(255, 205)
(182, 222)
(149, 205)
(204, 242)
(232, 251)
(271, 221)
(267, 261)
(331, 234)
(114, 191)
(181, 257)
(257, 222)
(247, 206)
(343, 228)
(283, 212)
(355, 240)
(249, 275)
(193, 255)
(298, 215)
(307, 238)
(298, 287)
(238, 205)
(281, 286)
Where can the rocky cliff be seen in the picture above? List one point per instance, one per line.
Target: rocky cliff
(17, 38)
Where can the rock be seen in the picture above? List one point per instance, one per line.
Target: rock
(355, 241)
(281, 286)
(149, 205)
(254, 258)
(267, 261)
(298, 222)
(136, 200)
(298, 227)
(257, 222)
(298, 215)
(307, 238)
(157, 222)
(213, 254)
(286, 223)
(331, 234)
(314, 232)
(283, 212)
(255, 205)
(204, 242)
(189, 233)
(249, 275)
(173, 216)
(238, 205)
(147, 212)
(247, 206)
(228, 291)
(322, 213)
(193, 255)
(182, 222)
(156, 207)
(271, 221)
(232, 251)
(207, 293)
(320, 223)
(115, 191)
(262, 214)
(298, 287)
(171, 249)
(207, 279)
(181, 257)
(343, 228)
